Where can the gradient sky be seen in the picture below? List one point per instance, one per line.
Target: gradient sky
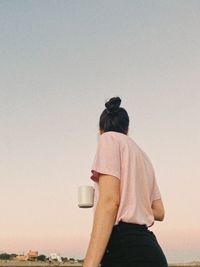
(60, 62)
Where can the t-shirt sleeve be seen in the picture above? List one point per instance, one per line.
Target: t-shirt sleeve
(155, 191)
(107, 157)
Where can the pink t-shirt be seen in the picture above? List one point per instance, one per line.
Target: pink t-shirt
(118, 155)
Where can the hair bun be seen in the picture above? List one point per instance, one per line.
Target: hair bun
(113, 104)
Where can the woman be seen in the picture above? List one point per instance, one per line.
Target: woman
(127, 198)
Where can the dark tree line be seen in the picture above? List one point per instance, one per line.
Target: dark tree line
(6, 256)
(42, 257)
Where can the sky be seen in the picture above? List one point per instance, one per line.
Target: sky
(60, 62)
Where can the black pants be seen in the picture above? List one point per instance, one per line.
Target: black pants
(133, 245)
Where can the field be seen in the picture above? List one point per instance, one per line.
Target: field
(43, 264)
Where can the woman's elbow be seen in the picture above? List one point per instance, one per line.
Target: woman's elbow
(159, 214)
(158, 210)
(162, 216)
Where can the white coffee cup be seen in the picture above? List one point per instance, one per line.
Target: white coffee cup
(85, 196)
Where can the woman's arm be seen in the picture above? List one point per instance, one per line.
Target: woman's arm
(104, 219)
(158, 210)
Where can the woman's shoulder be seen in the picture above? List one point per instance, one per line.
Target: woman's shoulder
(124, 141)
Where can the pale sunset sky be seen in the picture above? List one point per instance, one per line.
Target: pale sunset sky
(60, 61)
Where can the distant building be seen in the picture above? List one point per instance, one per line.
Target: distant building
(55, 257)
(31, 256)
(22, 257)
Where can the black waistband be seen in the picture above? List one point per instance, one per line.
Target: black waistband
(128, 225)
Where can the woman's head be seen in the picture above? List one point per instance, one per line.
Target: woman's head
(114, 118)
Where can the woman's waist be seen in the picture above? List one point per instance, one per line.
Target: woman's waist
(129, 226)
(135, 217)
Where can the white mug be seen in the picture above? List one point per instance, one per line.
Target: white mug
(85, 196)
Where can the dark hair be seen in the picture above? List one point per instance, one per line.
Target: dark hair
(114, 118)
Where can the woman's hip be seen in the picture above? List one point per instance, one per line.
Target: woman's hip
(133, 243)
